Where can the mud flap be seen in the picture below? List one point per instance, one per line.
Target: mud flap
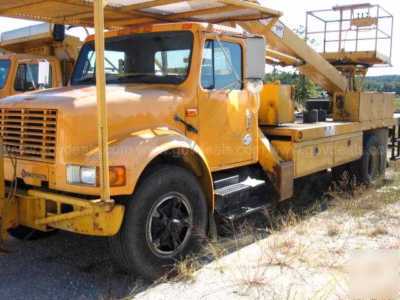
(280, 172)
(285, 180)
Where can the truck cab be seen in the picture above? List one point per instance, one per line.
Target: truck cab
(20, 73)
(36, 57)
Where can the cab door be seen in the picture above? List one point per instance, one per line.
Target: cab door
(34, 75)
(227, 121)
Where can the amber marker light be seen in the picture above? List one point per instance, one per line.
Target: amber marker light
(117, 176)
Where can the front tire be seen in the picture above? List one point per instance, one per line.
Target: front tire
(165, 220)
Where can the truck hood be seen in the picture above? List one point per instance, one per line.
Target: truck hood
(130, 108)
(69, 99)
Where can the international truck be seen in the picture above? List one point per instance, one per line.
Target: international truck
(190, 131)
(36, 57)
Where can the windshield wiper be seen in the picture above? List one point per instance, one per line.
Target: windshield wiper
(134, 75)
(87, 80)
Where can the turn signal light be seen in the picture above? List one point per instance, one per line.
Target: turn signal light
(90, 175)
(117, 176)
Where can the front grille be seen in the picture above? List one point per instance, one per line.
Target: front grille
(29, 133)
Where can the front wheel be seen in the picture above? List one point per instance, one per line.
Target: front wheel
(165, 220)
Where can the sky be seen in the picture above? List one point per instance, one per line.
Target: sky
(294, 12)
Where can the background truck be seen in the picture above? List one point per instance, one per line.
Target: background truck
(36, 57)
(193, 133)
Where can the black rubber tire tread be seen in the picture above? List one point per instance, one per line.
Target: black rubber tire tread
(117, 254)
(370, 174)
(130, 244)
(383, 160)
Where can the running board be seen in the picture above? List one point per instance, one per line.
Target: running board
(236, 199)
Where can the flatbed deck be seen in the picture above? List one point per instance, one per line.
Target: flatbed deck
(301, 132)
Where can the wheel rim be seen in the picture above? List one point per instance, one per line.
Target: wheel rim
(169, 225)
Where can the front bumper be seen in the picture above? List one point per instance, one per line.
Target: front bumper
(46, 211)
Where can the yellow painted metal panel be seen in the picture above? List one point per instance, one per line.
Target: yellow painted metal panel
(320, 154)
(348, 149)
(359, 57)
(277, 105)
(284, 149)
(102, 116)
(313, 158)
(87, 217)
(363, 107)
(299, 132)
(129, 12)
(279, 171)
(227, 120)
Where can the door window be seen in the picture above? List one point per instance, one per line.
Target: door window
(4, 69)
(222, 66)
(33, 76)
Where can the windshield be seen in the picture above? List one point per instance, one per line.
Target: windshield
(4, 68)
(160, 57)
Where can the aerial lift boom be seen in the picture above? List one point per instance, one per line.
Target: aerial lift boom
(284, 41)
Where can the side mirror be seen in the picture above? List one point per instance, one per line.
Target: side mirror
(255, 58)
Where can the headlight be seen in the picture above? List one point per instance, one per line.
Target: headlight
(73, 174)
(89, 175)
(81, 175)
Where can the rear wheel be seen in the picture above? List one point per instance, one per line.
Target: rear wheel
(369, 169)
(165, 220)
(372, 165)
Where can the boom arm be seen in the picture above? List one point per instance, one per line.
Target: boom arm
(280, 38)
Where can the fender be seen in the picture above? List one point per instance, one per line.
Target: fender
(138, 150)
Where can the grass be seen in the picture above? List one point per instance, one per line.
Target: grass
(378, 231)
(185, 270)
(357, 201)
(289, 244)
(333, 230)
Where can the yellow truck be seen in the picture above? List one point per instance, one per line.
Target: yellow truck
(36, 57)
(171, 104)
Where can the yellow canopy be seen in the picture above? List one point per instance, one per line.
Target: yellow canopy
(122, 13)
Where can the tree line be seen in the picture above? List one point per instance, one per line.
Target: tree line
(387, 83)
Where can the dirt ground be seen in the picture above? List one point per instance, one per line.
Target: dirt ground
(350, 250)
(303, 254)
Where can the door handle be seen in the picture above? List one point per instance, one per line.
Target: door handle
(189, 127)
